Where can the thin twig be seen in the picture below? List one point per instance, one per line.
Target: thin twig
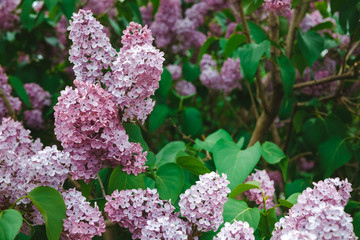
(287, 140)
(324, 80)
(253, 104)
(7, 104)
(74, 182)
(300, 155)
(101, 185)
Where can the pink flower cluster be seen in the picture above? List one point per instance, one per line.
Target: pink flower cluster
(24, 165)
(100, 6)
(266, 184)
(7, 18)
(203, 203)
(185, 88)
(146, 13)
(39, 98)
(320, 212)
(175, 71)
(14, 101)
(312, 19)
(87, 124)
(82, 221)
(145, 215)
(277, 5)
(236, 230)
(227, 80)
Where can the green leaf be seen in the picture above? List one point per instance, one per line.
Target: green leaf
(25, 18)
(120, 180)
(235, 40)
(19, 89)
(158, 116)
(333, 154)
(192, 164)
(296, 186)
(272, 153)
(285, 203)
(51, 205)
(250, 6)
(239, 211)
(190, 71)
(236, 163)
(164, 84)
(314, 132)
(257, 33)
(322, 26)
(287, 72)
(243, 187)
(50, 4)
(267, 222)
(250, 55)
(86, 188)
(191, 122)
(67, 7)
(10, 224)
(293, 198)
(115, 26)
(284, 167)
(205, 46)
(168, 153)
(169, 181)
(135, 135)
(356, 224)
(135, 9)
(211, 140)
(311, 45)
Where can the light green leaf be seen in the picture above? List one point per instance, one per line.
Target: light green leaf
(51, 205)
(271, 153)
(192, 164)
(10, 224)
(235, 40)
(169, 181)
(239, 211)
(120, 180)
(168, 153)
(211, 140)
(243, 187)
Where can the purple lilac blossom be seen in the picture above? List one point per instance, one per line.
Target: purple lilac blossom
(91, 52)
(266, 184)
(236, 230)
(314, 18)
(82, 221)
(203, 203)
(87, 125)
(39, 98)
(215, 30)
(136, 73)
(277, 6)
(14, 101)
(146, 13)
(175, 70)
(185, 88)
(133, 208)
(100, 6)
(33, 119)
(320, 212)
(7, 17)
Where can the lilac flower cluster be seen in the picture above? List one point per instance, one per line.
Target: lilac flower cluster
(277, 5)
(91, 52)
(175, 71)
(87, 125)
(99, 6)
(82, 221)
(236, 230)
(24, 165)
(136, 73)
(39, 98)
(146, 13)
(14, 101)
(144, 214)
(267, 186)
(185, 88)
(7, 18)
(320, 212)
(203, 203)
(227, 80)
(312, 19)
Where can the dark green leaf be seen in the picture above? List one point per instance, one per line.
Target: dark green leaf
(284, 167)
(296, 186)
(267, 222)
(239, 211)
(211, 140)
(135, 9)
(190, 71)
(205, 46)
(164, 84)
(243, 187)
(19, 89)
(86, 188)
(236, 163)
(333, 154)
(311, 45)
(250, 55)
(235, 40)
(50, 4)
(67, 7)
(120, 180)
(135, 135)
(158, 116)
(51, 205)
(168, 153)
(115, 26)
(191, 122)
(25, 18)
(271, 152)
(250, 6)
(287, 72)
(356, 224)
(10, 224)
(169, 181)
(192, 164)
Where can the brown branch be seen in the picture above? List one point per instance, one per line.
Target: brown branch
(300, 155)
(287, 140)
(74, 182)
(7, 104)
(253, 104)
(101, 185)
(343, 100)
(244, 22)
(324, 80)
(291, 32)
